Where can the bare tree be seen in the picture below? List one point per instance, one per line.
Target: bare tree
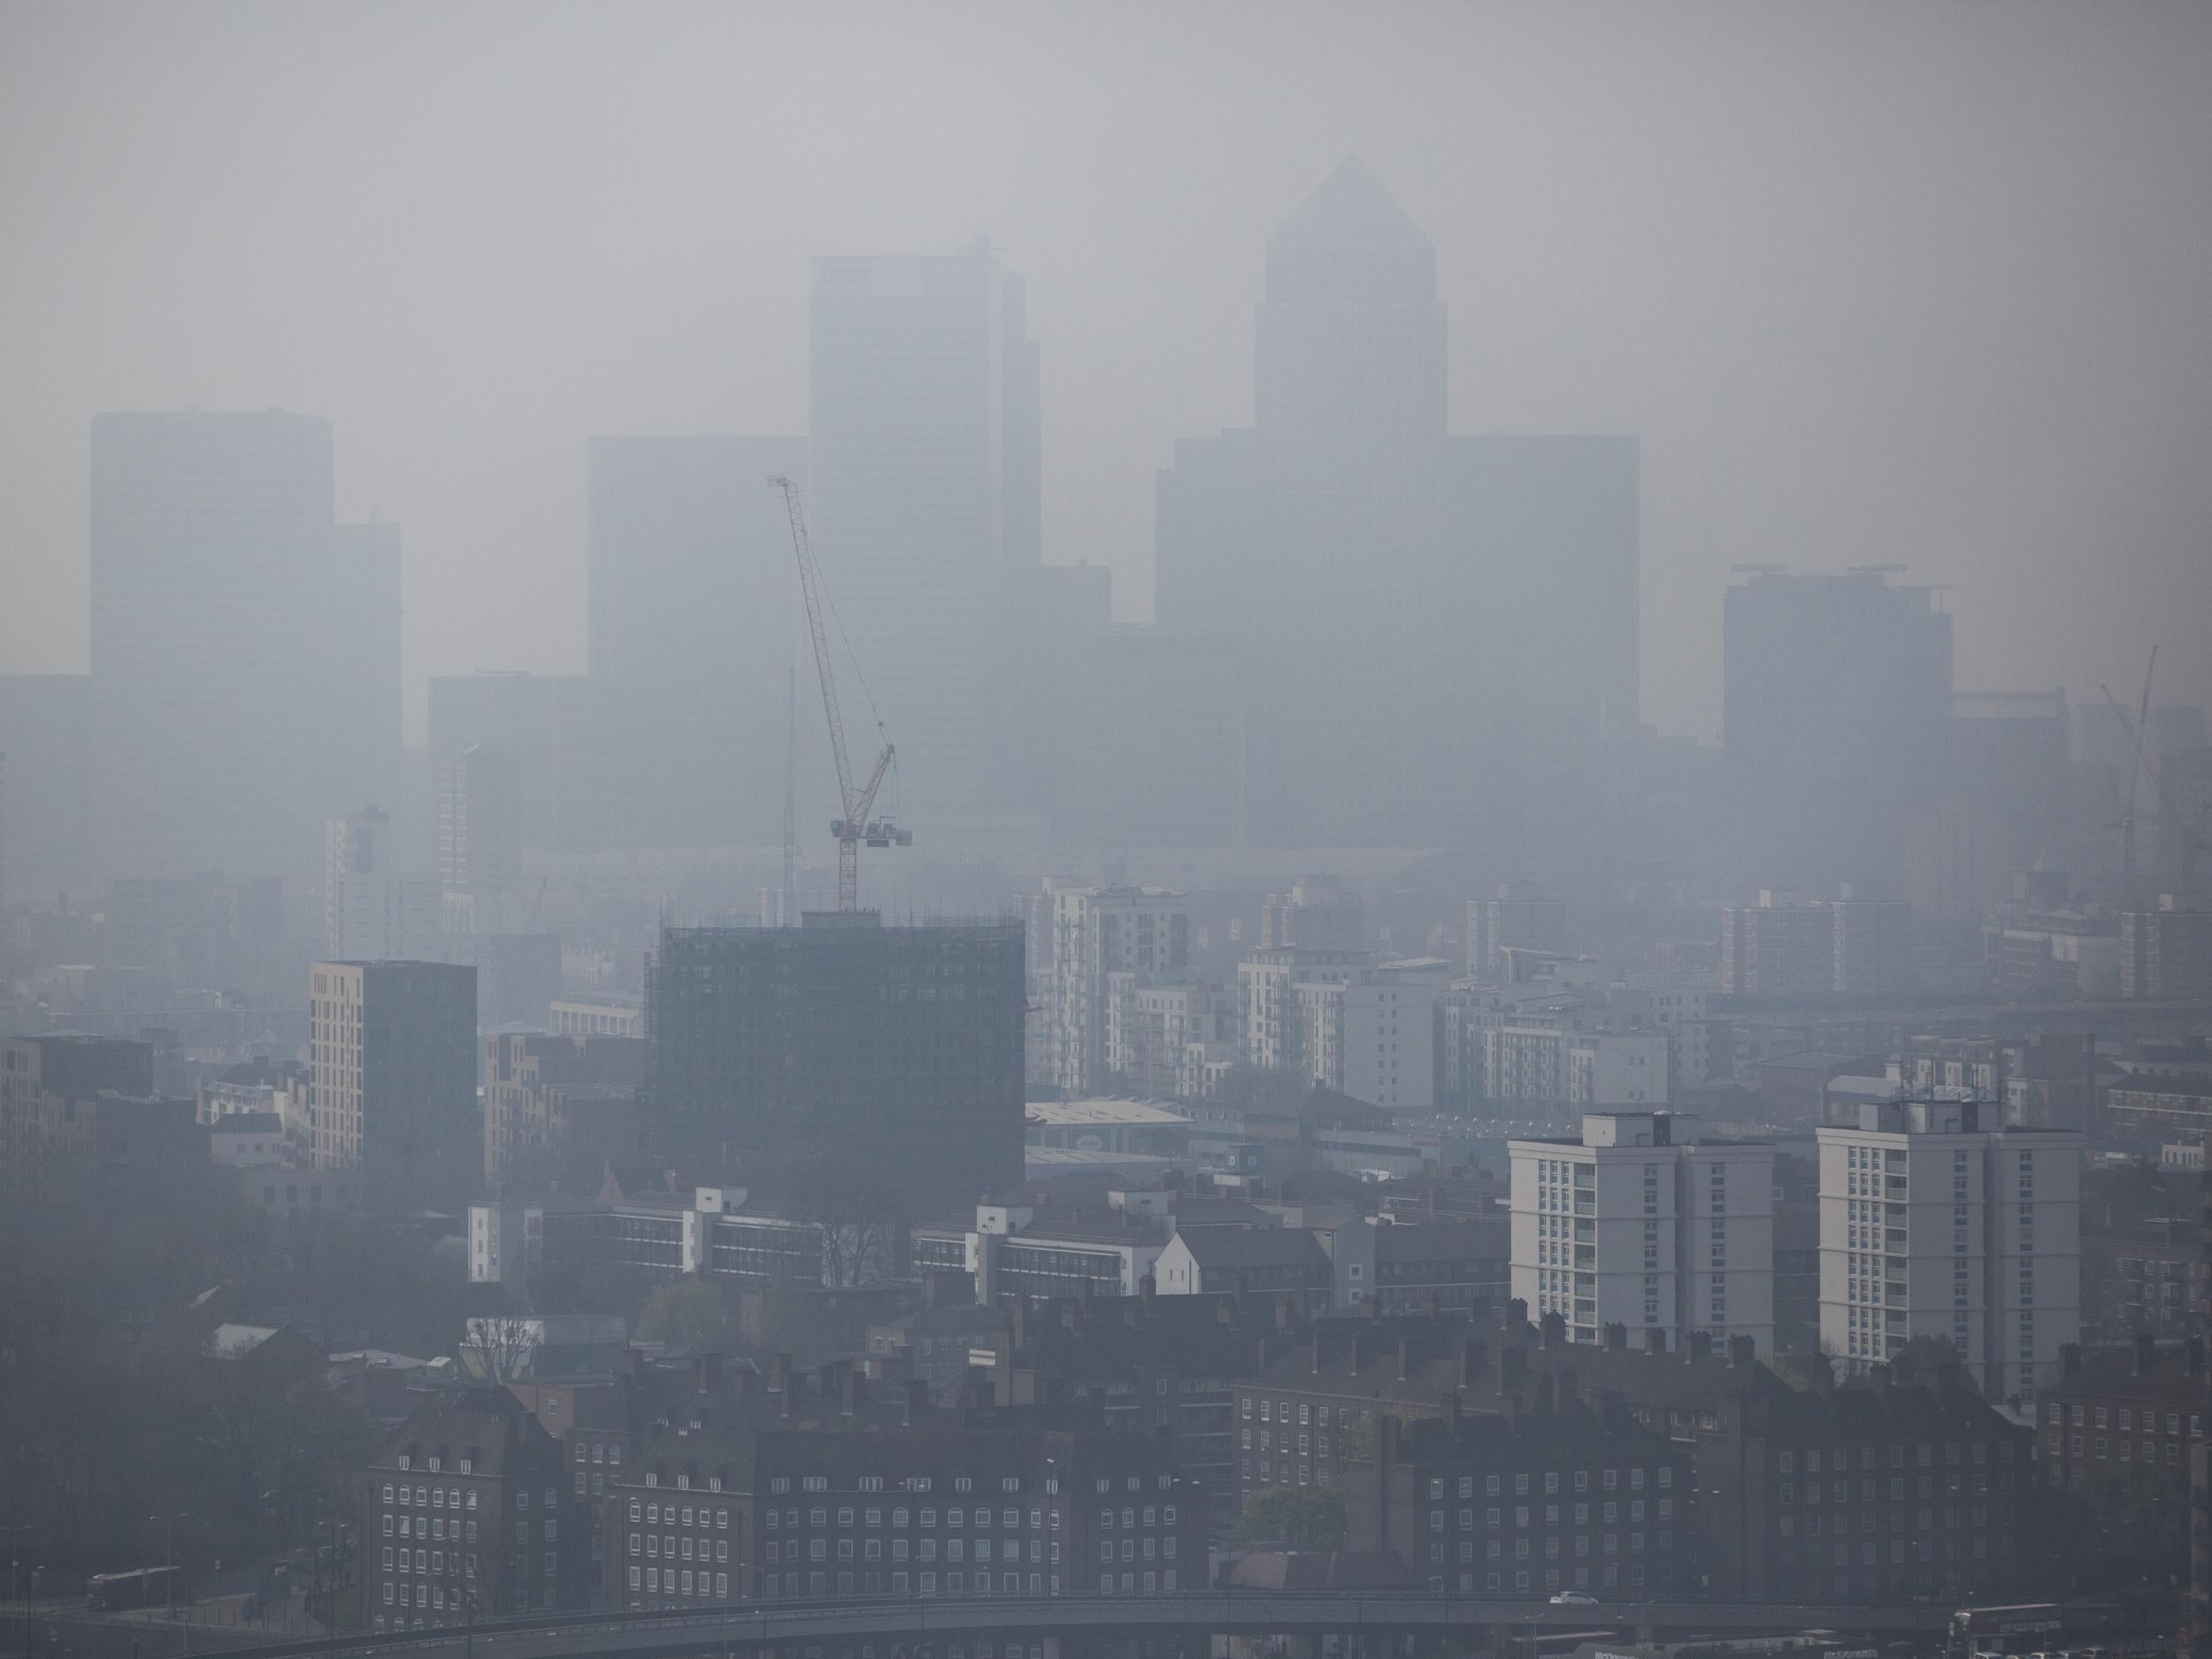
(860, 1215)
(502, 1347)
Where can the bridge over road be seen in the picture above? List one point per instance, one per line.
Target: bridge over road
(907, 1621)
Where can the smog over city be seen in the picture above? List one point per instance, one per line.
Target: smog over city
(1105, 831)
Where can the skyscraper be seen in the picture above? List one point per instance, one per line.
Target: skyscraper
(480, 847)
(357, 666)
(373, 910)
(244, 651)
(923, 494)
(691, 626)
(1373, 571)
(1836, 717)
(691, 583)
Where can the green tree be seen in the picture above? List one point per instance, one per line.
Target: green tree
(1303, 1517)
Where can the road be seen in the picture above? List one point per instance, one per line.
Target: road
(590, 1636)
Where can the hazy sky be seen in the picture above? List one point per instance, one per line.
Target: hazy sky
(1912, 283)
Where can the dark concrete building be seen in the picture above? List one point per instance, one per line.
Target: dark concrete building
(899, 1049)
(392, 1070)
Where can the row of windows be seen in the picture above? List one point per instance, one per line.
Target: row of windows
(1492, 1485)
(2150, 1450)
(1840, 1460)
(2058, 1413)
(923, 1549)
(428, 1527)
(1609, 1544)
(657, 1544)
(1871, 1521)
(1495, 1517)
(1840, 1490)
(451, 1497)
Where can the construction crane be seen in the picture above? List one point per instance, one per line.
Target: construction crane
(2133, 730)
(856, 827)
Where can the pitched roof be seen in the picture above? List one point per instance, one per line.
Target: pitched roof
(1350, 209)
(1228, 1248)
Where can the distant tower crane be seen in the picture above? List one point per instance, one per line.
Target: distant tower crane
(856, 827)
(2133, 731)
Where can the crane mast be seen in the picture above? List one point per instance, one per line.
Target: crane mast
(2133, 730)
(854, 827)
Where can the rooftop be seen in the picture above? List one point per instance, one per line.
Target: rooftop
(1048, 1114)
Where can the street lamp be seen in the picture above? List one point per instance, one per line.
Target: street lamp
(170, 1558)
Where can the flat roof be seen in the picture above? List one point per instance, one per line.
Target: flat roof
(1052, 1114)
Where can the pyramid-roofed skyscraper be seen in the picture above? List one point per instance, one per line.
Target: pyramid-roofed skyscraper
(1417, 614)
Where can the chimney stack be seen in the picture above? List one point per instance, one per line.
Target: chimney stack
(1742, 1352)
(1555, 1330)
(2196, 1357)
(1405, 1358)
(917, 1401)
(1512, 1367)
(2069, 1358)
(1701, 1347)
(1516, 1313)
(2146, 1353)
(1654, 1341)
(1616, 1338)
(1474, 1359)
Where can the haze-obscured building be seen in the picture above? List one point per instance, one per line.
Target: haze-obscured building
(897, 1049)
(1364, 565)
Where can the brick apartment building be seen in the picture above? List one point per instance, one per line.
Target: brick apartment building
(711, 1515)
(467, 1512)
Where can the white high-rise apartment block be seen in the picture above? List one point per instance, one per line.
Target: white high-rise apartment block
(1547, 1060)
(373, 912)
(1372, 1034)
(1639, 1226)
(1098, 931)
(1267, 982)
(1937, 1221)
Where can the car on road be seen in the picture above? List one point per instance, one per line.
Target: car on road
(1573, 1597)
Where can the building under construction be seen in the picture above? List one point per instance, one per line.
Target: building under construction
(896, 1051)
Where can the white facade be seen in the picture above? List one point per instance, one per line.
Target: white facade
(1099, 932)
(1267, 982)
(1931, 1225)
(1372, 1035)
(1634, 1226)
(1549, 1061)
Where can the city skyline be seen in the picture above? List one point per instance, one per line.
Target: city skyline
(1792, 455)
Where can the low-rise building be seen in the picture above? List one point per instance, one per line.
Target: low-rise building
(1273, 1262)
(2130, 1410)
(954, 1507)
(1526, 1503)
(466, 1512)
